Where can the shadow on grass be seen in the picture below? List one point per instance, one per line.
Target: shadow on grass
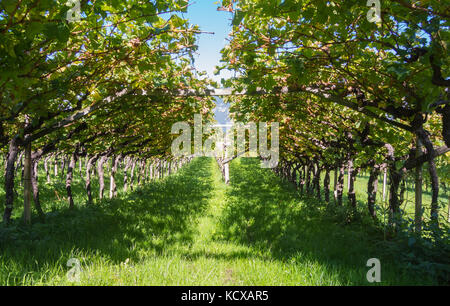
(267, 214)
(145, 222)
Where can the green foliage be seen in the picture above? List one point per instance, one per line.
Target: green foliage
(377, 75)
(192, 229)
(427, 254)
(265, 213)
(52, 69)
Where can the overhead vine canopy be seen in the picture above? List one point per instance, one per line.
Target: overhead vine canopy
(361, 92)
(94, 92)
(103, 81)
(364, 91)
(58, 73)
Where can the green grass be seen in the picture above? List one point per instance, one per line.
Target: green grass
(192, 229)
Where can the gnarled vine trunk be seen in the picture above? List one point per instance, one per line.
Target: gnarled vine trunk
(132, 174)
(340, 185)
(394, 202)
(372, 187)
(125, 174)
(113, 186)
(47, 171)
(351, 186)
(35, 187)
(326, 185)
(101, 178)
(9, 180)
(69, 177)
(308, 178)
(90, 162)
(302, 180)
(434, 180)
(316, 181)
(435, 190)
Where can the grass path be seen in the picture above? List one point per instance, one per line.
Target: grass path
(192, 229)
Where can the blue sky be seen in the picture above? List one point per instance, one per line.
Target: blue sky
(204, 13)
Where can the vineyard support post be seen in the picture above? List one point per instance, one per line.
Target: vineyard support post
(335, 184)
(227, 173)
(384, 182)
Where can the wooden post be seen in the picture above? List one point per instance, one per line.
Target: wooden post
(349, 174)
(151, 170)
(384, 182)
(112, 177)
(55, 165)
(448, 211)
(335, 183)
(227, 173)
